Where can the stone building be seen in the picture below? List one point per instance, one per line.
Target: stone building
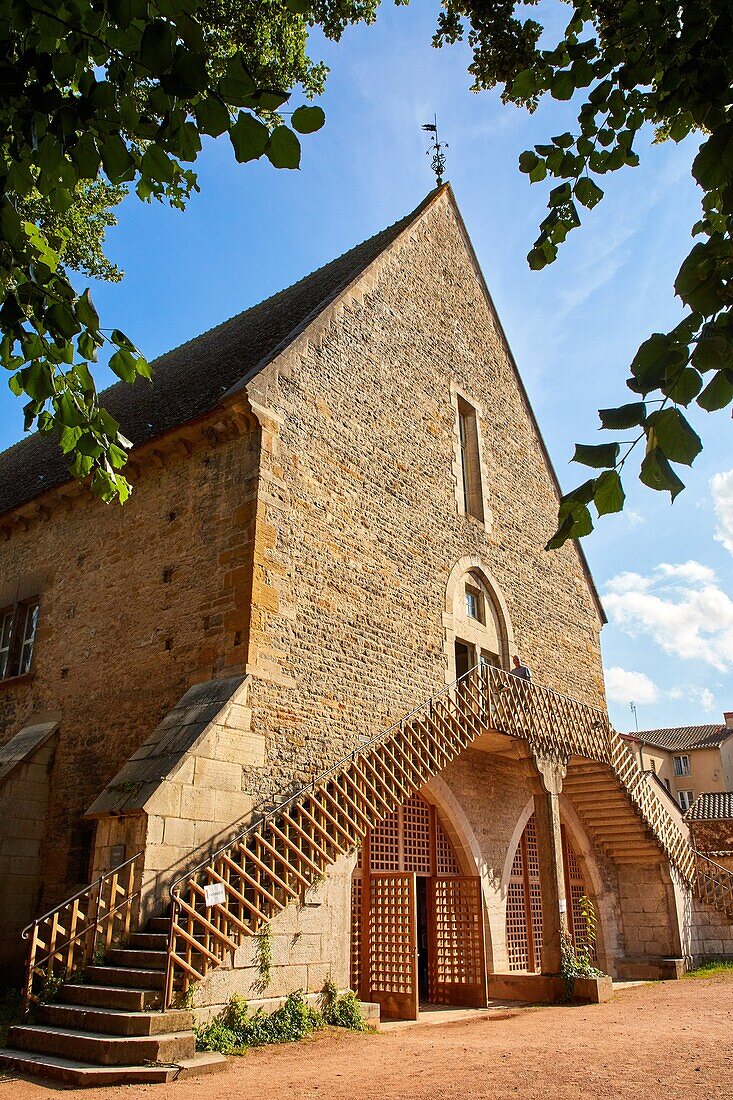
(241, 687)
(689, 760)
(710, 819)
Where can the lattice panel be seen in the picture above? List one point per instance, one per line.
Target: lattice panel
(535, 905)
(577, 890)
(517, 937)
(385, 844)
(356, 932)
(416, 838)
(458, 957)
(445, 857)
(392, 934)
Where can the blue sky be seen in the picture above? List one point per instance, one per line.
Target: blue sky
(665, 572)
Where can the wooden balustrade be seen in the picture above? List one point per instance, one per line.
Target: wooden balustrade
(714, 884)
(66, 939)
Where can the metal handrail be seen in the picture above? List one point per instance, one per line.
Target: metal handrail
(360, 750)
(80, 893)
(282, 806)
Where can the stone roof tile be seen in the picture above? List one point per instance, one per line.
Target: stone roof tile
(683, 738)
(714, 806)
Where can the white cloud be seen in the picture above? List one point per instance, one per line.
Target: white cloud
(721, 487)
(692, 571)
(680, 607)
(630, 687)
(705, 699)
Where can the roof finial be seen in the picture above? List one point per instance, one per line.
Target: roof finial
(436, 148)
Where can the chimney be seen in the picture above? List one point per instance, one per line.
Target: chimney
(728, 716)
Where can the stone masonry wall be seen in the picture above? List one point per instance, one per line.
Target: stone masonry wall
(23, 806)
(359, 522)
(136, 604)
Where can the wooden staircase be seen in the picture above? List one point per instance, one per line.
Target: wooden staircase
(110, 1028)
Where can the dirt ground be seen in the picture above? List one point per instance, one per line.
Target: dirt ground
(668, 1040)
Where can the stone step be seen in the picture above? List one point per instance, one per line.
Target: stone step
(70, 1072)
(158, 924)
(140, 960)
(148, 941)
(124, 998)
(137, 977)
(100, 1049)
(111, 1021)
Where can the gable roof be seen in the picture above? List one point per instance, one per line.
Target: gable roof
(683, 738)
(716, 806)
(191, 380)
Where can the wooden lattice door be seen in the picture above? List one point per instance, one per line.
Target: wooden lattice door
(457, 971)
(393, 945)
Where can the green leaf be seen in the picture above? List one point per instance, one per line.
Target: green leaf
(669, 429)
(123, 365)
(38, 381)
(156, 47)
(685, 386)
(283, 149)
(576, 524)
(609, 494)
(249, 137)
(562, 86)
(299, 7)
(605, 454)
(657, 358)
(524, 85)
(711, 353)
(212, 116)
(657, 473)
(85, 311)
(155, 165)
(116, 160)
(587, 192)
(306, 120)
(718, 393)
(625, 416)
(236, 86)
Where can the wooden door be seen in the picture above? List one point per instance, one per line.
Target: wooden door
(457, 966)
(393, 944)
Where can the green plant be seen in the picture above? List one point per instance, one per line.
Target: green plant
(710, 969)
(233, 1030)
(184, 997)
(51, 988)
(341, 1011)
(263, 958)
(578, 960)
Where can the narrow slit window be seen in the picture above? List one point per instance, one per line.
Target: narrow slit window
(473, 497)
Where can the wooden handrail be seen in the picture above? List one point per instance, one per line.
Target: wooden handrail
(63, 940)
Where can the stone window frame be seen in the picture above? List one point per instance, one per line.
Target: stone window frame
(460, 573)
(14, 665)
(460, 396)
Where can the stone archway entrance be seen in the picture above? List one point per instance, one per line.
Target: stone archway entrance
(524, 902)
(417, 932)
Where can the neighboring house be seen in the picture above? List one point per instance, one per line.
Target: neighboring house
(689, 760)
(710, 819)
(245, 680)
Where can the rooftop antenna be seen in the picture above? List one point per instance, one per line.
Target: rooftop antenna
(436, 148)
(636, 719)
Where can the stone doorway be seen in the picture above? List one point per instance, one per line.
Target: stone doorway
(417, 931)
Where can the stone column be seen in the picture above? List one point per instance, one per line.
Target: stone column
(545, 777)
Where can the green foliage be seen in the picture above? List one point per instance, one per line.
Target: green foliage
(51, 989)
(341, 1011)
(233, 1030)
(99, 98)
(711, 969)
(263, 957)
(577, 961)
(637, 63)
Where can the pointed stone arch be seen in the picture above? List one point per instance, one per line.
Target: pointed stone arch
(495, 634)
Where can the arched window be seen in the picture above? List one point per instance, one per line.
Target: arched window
(478, 627)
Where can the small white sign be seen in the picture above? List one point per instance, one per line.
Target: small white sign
(563, 904)
(214, 894)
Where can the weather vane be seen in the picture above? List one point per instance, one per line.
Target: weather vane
(436, 148)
